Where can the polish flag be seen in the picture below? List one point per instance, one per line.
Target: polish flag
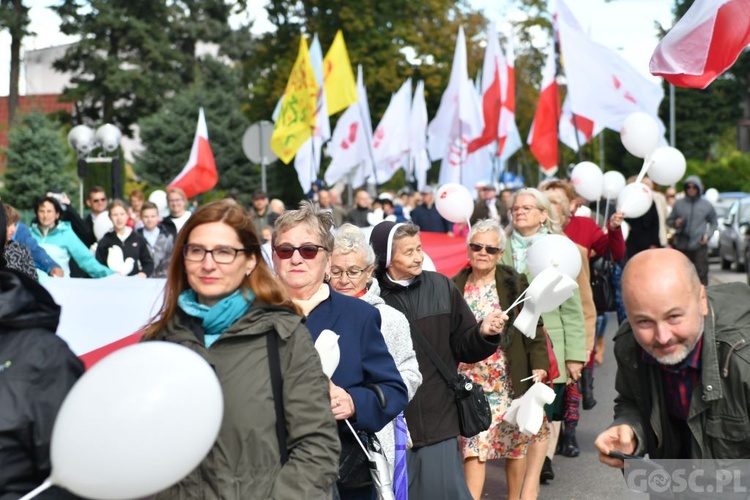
(199, 174)
(571, 123)
(704, 43)
(542, 138)
(509, 140)
(493, 71)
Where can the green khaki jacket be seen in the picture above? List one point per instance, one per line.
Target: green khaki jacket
(244, 462)
(718, 417)
(523, 354)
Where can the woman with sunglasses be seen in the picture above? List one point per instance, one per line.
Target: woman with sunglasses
(302, 244)
(352, 265)
(533, 219)
(488, 286)
(222, 301)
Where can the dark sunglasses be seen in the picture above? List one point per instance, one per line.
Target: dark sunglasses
(691, 186)
(476, 247)
(307, 252)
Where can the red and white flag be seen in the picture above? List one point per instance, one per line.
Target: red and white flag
(602, 85)
(390, 141)
(509, 139)
(199, 174)
(351, 141)
(542, 138)
(704, 43)
(494, 72)
(572, 125)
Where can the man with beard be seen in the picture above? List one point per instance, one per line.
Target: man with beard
(683, 365)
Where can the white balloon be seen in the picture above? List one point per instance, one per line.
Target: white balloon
(454, 202)
(554, 250)
(712, 195)
(640, 134)
(136, 423)
(102, 225)
(588, 180)
(327, 345)
(159, 198)
(614, 182)
(635, 200)
(667, 165)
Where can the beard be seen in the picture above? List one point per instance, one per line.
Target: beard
(679, 356)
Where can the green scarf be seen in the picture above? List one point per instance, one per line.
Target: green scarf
(521, 245)
(216, 318)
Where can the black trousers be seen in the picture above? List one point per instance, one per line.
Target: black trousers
(699, 258)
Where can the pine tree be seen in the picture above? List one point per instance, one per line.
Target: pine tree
(37, 157)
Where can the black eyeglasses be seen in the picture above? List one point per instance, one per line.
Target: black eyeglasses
(98, 200)
(476, 247)
(221, 255)
(352, 274)
(307, 252)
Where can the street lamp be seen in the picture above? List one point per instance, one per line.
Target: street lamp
(85, 141)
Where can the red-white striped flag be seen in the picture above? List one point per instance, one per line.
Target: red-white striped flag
(704, 43)
(543, 134)
(199, 174)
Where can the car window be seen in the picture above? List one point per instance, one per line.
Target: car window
(744, 213)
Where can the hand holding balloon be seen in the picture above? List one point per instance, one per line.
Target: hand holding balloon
(493, 323)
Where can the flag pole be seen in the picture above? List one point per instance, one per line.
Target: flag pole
(314, 174)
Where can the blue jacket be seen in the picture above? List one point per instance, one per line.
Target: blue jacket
(64, 244)
(429, 219)
(364, 359)
(42, 260)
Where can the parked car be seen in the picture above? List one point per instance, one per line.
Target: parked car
(722, 206)
(734, 236)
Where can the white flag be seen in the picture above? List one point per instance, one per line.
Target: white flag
(307, 159)
(509, 139)
(390, 141)
(602, 85)
(569, 123)
(351, 141)
(420, 163)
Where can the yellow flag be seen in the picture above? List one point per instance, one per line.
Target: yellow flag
(296, 120)
(338, 77)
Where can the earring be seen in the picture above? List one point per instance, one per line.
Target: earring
(326, 278)
(249, 272)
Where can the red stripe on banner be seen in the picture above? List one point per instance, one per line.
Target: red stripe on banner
(449, 254)
(92, 357)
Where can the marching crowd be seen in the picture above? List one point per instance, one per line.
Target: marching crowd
(253, 289)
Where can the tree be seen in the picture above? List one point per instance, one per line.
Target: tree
(14, 16)
(37, 156)
(167, 135)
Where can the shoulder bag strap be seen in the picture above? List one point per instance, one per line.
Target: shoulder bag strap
(422, 341)
(274, 363)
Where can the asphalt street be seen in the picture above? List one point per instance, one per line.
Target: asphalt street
(584, 477)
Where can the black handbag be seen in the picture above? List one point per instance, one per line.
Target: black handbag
(354, 468)
(474, 414)
(603, 290)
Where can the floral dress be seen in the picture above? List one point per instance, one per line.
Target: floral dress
(501, 440)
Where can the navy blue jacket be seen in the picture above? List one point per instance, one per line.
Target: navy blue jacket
(430, 220)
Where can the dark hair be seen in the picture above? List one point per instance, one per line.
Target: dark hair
(3, 236)
(264, 285)
(55, 204)
(147, 205)
(94, 189)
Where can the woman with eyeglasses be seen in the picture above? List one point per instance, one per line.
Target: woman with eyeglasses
(302, 244)
(489, 286)
(61, 243)
(352, 265)
(533, 219)
(222, 301)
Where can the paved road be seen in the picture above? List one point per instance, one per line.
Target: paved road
(584, 477)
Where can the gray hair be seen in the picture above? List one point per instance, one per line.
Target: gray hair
(349, 238)
(319, 222)
(542, 203)
(487, 226)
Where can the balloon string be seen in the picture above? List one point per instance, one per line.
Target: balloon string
(356, 436)
(606, 213)
(519, 300)
(36, 491)
(646, 165)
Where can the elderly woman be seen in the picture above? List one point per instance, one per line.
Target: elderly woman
(302, 243)
(352, 265)
(488, 286)
(60, 242)
(533, 219)
(221, 301)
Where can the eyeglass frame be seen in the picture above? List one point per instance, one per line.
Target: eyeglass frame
(524, 209)
(487, 248)
(318, 248)
(342, 272)
(187, 246)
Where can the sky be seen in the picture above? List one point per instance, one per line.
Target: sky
(624, 25)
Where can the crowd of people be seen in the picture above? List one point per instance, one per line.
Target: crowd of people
(251, 289)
